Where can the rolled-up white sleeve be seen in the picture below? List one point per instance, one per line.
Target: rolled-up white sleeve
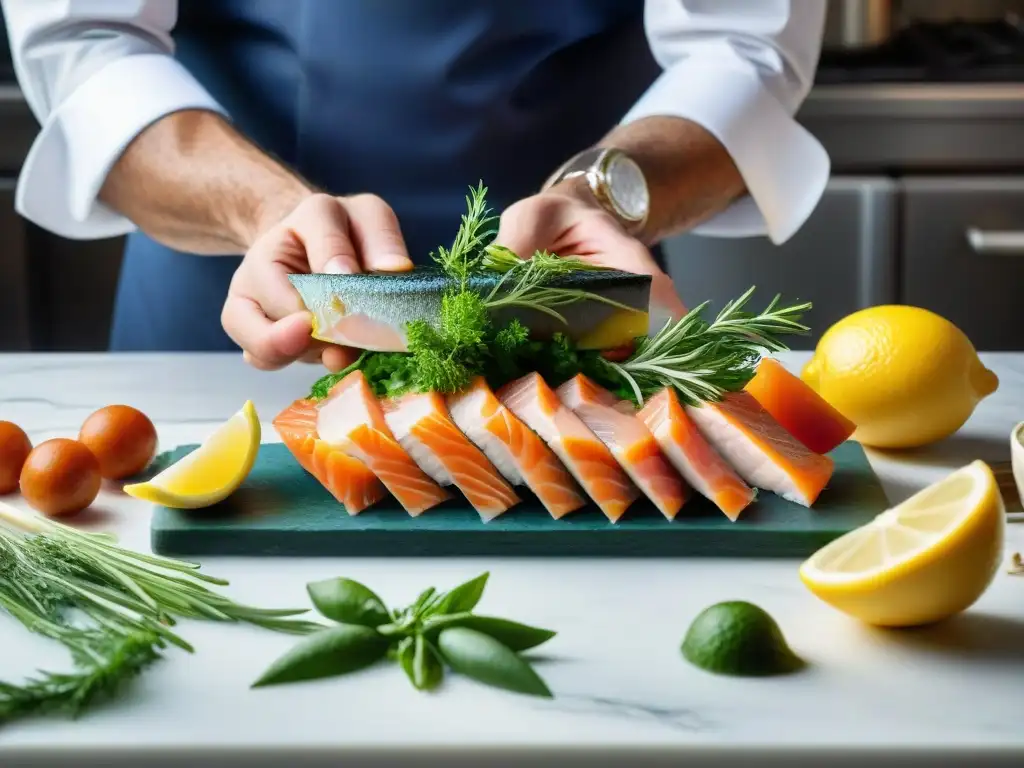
(741, 69)
(95, 75)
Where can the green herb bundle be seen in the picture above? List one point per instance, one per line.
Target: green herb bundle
(702, 360)
(112, 608)
(438, 630)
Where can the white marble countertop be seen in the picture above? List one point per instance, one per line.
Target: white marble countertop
(624, 695)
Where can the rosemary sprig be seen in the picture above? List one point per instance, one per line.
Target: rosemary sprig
(498, 258)
(527, 285)
(528, 282)
(112, 608)
(704, 361)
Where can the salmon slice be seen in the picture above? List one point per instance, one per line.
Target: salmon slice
(586, 457)
(424, 429)
(761, 450)
(515, 450)
(700, 464)
(803, 413)
(348, 480)
(614, 422)
(352, 419)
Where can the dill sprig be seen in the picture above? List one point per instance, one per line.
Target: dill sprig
(476, 229)
(703, 361)
(111, 607)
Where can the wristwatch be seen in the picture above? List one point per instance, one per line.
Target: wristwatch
(616, 181)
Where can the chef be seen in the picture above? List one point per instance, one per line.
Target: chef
(237, 141)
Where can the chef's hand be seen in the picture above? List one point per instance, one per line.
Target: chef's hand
(263, 313)
(567, 220)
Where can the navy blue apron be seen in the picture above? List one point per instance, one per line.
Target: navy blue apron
(412, 100)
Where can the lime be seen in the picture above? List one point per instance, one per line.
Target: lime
(738, 638)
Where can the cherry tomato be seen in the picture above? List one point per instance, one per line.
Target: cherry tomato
(122, 438)
(14, 449)
(60, 477)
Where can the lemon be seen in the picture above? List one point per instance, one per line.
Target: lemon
(920, 561)
(211, 472)
(904, 375)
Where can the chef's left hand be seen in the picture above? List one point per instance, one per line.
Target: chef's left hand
(566, 220)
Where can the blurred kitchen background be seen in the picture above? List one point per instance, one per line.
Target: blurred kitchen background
(920, 104)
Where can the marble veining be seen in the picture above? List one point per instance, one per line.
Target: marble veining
(615, 666)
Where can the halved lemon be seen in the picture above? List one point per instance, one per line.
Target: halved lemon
(921, 561)
(211, 472)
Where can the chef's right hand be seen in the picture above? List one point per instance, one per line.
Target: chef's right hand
(263, 313)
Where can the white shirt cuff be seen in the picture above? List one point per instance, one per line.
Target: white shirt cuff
(784, 167)
(86, 134)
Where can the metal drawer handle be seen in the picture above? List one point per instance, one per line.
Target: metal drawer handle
(996, 241)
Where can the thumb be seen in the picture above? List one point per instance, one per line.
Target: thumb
(528, 226)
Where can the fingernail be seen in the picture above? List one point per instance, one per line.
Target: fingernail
(338, 266)
(392, 262)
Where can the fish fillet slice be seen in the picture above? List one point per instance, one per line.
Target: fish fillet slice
(586, 457)
(614, 422)
(349, 480)
(515, 450)
(700, 464)
(424, 429)
(763, 453)
(352, 419)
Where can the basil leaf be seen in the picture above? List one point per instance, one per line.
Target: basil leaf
(484, 659)
(348, 602)
(405, 654)
(425, 598)
(462, 598)
(330, 652)
(427, 669)
(515, 636)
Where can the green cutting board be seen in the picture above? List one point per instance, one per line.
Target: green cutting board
(280, 510)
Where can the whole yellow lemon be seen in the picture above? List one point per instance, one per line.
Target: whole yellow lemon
(904, 375)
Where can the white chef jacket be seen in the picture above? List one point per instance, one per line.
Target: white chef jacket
(98, 72)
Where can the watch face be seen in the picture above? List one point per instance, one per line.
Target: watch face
(628, 188)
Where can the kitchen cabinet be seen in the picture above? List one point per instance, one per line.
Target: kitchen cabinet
(843, 259)
(963, 254)
(77, 281)
(55, 294)
(15, 320)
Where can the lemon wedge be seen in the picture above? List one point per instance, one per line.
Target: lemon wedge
(921, 561)
(211, 472)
